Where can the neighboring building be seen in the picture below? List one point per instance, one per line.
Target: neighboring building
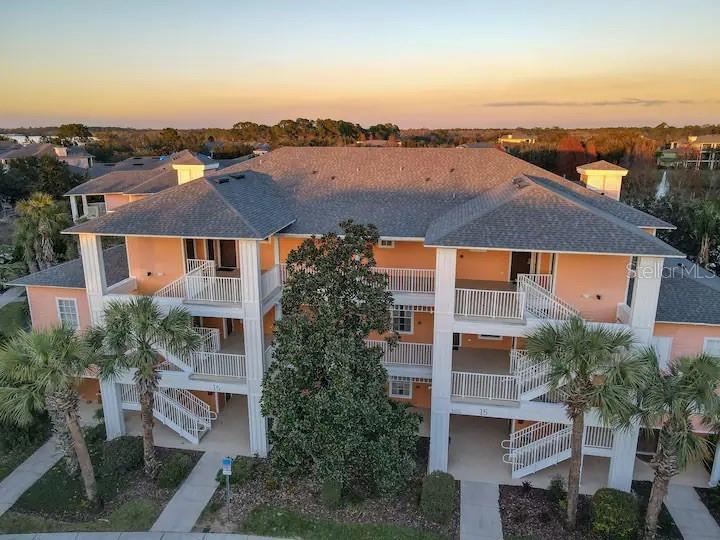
(516, 138)
(23, 139)
(602, 176)
(378, 143)
(480, 248)
(115, 184)
(74, 156)
(697, 152)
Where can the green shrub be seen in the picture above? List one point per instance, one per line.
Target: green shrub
(614, 514)
(557, 489)
(136, 515)
(243, 469)
(95, 436)
(122, 455)
(437, 500)
(174, 471)
(331, 493)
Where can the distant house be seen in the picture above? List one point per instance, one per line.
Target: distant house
(479, 144)
(19, 138)
(74, 156)
(378, 143)
(516, 138)
(696, 152)
(261, 149)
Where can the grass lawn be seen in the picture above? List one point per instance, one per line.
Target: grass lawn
(11, 459)
(274, 521)
(711, 499)
(130, 501)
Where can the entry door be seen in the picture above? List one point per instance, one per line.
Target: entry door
(228, 327)
(210, 249)
(520, 263)
(227, 254)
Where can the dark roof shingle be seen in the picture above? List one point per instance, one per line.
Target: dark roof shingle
(688, 294)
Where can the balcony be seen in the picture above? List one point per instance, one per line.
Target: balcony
(506, 301)
(497, 375)
(202, 283)
(404, 353)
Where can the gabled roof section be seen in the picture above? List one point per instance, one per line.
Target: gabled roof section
(70, 274)
(241, 205)
(525, 215)
(688, 294)
(186, 157)
(601, 165)
(122, 176)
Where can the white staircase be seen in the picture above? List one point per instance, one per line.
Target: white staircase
(178, 409)
(532, 377)
(545, 444)
(539, 299)
(207, 360)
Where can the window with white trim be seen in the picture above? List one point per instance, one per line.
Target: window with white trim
(400, 387)
(712, 346)
(68, 312)
(402, 319)
(490, 337)
(386, 243)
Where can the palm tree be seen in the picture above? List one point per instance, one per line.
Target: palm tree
(590, 367)
(135, 335)
(39, 371)
(40, 222)
(704, 221)
(669, 401)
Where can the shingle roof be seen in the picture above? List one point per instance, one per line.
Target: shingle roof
(121, 176)
(186, 157)
(688, 294)
(526, 215)
(601, 165)
(30, 150)
(245, 205)
(70, 274)
(405, 192)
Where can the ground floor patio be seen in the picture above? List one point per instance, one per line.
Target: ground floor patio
(475, 454)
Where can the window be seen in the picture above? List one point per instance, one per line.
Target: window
(490, 337)
(68, 312)
(457, 341)
(387, 243)
(401, 387)
(402, 319)
(712, 346)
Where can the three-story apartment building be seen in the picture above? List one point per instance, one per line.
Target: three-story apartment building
(479, 247)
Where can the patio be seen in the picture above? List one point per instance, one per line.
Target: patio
(476, 360)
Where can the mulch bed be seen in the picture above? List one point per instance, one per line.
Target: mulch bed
(302, 495)
(533, 515)
(711, 499)
(66, 494)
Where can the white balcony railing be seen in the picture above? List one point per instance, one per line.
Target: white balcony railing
(271, 279)
(490, 304)
(201, 284)
(217, 364)
(543, 280)
(409, 280)
(541, 302)
(95, 210)
(599, 437)
(484, 386)
(407, 354)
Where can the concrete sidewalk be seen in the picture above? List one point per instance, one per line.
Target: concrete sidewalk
(480, 511)
(190, 500)
(133, 536)
(27, 473)
(690, 514)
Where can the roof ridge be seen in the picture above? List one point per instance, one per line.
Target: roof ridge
(212, 181)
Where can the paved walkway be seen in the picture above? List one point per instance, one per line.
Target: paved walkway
(133, 536)
(690, 514)
(13, 294)
(190, 500)
(27, 473)
(480, 511)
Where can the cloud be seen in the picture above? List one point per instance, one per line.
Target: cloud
(607, 103)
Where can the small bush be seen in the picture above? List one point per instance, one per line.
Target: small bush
(526, 487)
(174, 471)
(557, 489)
(243, 469)
(614, 514)
(95, 436)
(437, 501)
(122, 455)
(331, 493)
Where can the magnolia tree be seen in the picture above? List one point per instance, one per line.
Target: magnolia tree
(326, 390)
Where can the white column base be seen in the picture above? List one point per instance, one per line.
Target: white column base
(622, 462)
(112, 410)
(715, 473)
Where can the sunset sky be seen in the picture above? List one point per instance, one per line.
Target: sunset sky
(417, 64)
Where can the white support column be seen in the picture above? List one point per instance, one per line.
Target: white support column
(112, 409)
(445, 261)
(642, 320)
(715, 473)
(95, 288)
(249, 254)
(622, 461)
(86, 209)
(74, 208)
